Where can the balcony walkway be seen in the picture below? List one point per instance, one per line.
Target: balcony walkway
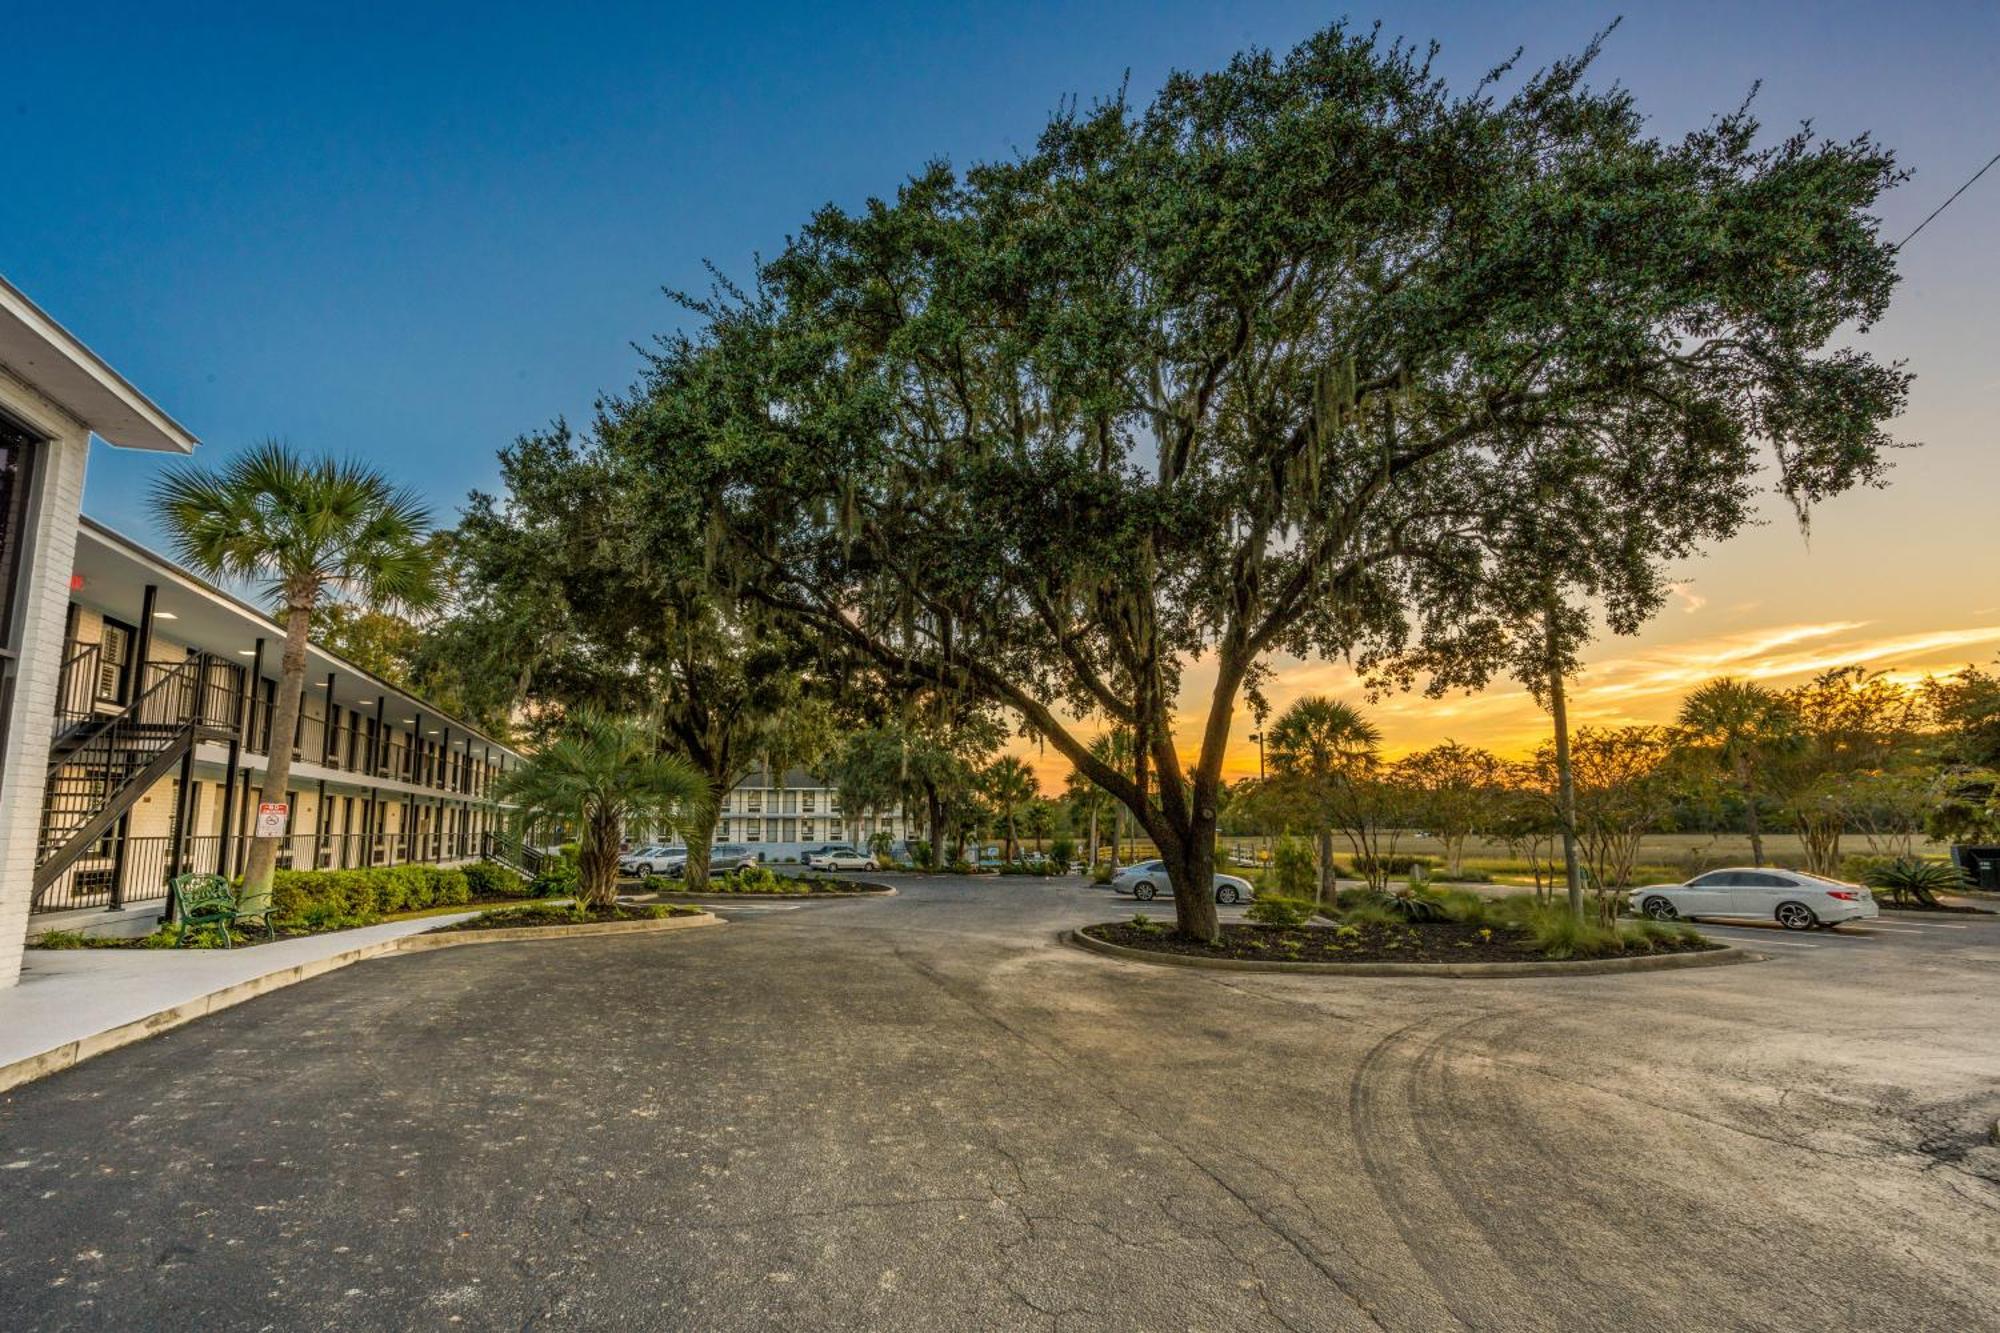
(72, 1004)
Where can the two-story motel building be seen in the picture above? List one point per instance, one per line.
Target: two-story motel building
(136, 698)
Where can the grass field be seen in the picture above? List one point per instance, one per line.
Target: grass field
(1664, 858)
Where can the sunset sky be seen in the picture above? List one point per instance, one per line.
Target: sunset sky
(411, 233)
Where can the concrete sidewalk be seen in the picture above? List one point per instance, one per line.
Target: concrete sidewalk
(72, 1004)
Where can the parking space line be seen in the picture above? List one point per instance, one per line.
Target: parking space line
(1755, 937)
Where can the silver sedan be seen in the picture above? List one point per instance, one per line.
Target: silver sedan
(1148, 879)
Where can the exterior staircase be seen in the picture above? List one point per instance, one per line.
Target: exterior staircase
(101, 763)
(513, 853)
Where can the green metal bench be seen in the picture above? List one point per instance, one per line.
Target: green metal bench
(210, 900)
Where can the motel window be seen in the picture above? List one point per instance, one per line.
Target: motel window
(114, 662)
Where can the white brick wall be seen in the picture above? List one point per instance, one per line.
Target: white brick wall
(59, 468)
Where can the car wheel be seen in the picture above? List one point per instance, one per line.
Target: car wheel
(1144, 890)
(1796, 916)
(1660, 909)
(870, 865)
(1228, 894)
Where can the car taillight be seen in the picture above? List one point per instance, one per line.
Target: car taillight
(1846, 895)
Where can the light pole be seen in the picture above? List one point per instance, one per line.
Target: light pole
(1258, 736)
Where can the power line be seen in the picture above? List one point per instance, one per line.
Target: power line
(1948, 203)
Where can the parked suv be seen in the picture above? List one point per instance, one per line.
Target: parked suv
(656, 859)
(725, 858)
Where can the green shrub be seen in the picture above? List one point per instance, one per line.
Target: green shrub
(490, 879)
(330, 899)
(1908, 877)
(920, 853)
(756, 879)
(1274, 909)
(1100, 873)
(1464, 907)
(1293, 873)
(558, 879)
(1362, 907)
(1061, 852)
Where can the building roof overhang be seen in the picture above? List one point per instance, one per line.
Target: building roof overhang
(55, 363)
(110, 575)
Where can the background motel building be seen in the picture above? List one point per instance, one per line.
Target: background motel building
(136, 699)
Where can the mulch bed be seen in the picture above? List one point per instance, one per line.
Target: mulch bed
(1425, 942)
(1954, 909)
(527, 918)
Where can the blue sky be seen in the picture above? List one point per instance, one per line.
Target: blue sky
(413, 232)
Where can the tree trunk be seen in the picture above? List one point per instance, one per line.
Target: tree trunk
(597, 861)
(1327, 888)
(1191, 869)
(700, 838)
(263, 856)
(1565, 783)
(935, 810)
(1750, 815)
(1093, 837)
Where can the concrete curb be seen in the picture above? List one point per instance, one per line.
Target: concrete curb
(58, 1058)
(1582, 967)
(668, 895)
(503, 934)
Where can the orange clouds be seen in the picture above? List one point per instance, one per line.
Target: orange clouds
(1623, 682)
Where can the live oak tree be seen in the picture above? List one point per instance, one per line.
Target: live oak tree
(587, 599)
(1278, 364)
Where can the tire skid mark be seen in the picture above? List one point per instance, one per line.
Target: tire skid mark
(1454, 1250)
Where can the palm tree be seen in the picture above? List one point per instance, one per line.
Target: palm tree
(1744, 724)
(1114, 748)
(1010, 785)
(602, 775)
(1320, 742)
(308, 530)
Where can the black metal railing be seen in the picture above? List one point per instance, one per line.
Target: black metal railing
(512, 851)
(119, 871)
(77, 690)
(108, 760)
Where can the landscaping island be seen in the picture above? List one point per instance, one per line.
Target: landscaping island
(1416, 930)
(1374, 942)
(545, 916)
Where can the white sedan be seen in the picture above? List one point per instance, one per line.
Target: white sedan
(1148, 879)
(845, 858)
(1792, 898)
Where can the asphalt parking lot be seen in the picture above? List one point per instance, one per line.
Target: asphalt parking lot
(923, 1112)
